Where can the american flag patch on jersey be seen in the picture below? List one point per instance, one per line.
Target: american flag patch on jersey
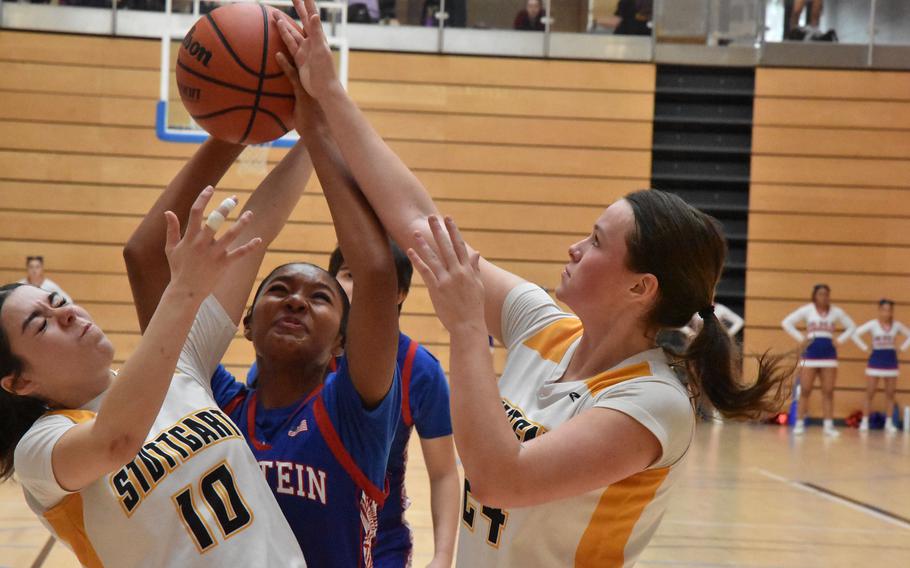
(302, 427)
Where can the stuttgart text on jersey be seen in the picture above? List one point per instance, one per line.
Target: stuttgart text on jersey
(173, 447)
(524, 428)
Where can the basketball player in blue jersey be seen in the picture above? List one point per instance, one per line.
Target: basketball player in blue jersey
(424, 406)
(322, 442)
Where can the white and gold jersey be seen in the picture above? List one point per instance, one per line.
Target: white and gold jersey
(605, 528)
(194, 496)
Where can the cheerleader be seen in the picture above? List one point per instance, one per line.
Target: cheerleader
(820, 357)
(731, 320)
(883, 360)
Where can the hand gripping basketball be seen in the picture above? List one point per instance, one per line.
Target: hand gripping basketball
(310, 51)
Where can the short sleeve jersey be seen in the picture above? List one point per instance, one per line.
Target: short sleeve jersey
(607, 527)
(325, 460)
(818, 324)
(425, 406)
(882, 339)
(193, 496)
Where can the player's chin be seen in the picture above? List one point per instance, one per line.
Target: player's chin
(281, 336)
(280, 344)
(104, 348)
(562, 292)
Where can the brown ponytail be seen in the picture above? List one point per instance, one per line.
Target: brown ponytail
(17, 413)
(685, 250)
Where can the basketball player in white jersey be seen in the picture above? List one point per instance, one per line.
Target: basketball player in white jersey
(570, 458)
(142, 469)
(819, 359)
(882, 361)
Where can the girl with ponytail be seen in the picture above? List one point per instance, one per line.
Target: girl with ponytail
(570, 456)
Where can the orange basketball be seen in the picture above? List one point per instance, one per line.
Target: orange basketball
(228, 77)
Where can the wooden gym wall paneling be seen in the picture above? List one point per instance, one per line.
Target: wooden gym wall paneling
(524, 154)
(830, 202)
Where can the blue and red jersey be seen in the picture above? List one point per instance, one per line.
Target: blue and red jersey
(324, 458)
(424, 405)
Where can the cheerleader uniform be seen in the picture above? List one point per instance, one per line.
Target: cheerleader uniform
(883, 360)
(820, 352)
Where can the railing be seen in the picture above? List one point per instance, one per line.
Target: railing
(870, 33)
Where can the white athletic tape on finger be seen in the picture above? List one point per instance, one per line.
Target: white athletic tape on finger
(216, 218)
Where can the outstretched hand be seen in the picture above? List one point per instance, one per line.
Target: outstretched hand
(452, 275)
(310, 50)
(308, 115)
(198, 259)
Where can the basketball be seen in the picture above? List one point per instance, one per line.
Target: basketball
(228, 77)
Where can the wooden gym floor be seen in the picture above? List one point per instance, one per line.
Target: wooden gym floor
(752, 496)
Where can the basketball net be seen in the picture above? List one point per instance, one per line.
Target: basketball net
(254, 159)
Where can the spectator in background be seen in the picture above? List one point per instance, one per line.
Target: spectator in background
(388, 12)
(82, 3)
(363, 11)
(429, 14)
(812, 31)
(794, 31)
(456, 14)
(34, 275)
(634, 17)
(531, 18)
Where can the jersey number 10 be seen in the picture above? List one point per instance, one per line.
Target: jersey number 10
(219, 492)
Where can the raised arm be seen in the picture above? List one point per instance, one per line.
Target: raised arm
(789, 324)
(372, 332)
(733, 320)
(272, 203)
(146, 263)
(903, 329)
(197, 261)
(849, 327)
(396, 195)
(860, 331)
